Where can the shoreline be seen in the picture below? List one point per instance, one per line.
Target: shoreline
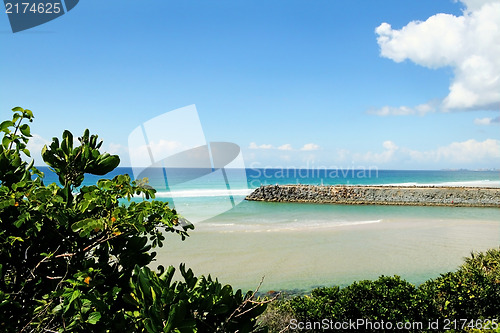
(380, 195)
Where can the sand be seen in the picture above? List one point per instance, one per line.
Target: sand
(415, 248)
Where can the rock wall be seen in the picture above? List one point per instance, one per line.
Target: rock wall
(380, 195)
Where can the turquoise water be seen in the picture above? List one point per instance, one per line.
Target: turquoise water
(257, 177)
(202, 196)
(300, 246)
(371, 176)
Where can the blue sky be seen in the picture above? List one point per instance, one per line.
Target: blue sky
(392, 84)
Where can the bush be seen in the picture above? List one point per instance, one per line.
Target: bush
(386, 299)
(323, 303)
(74, 258)
(277, 315)
(472, 292)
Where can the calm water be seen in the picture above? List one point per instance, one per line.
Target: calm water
(300, 246)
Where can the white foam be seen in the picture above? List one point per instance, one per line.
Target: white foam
(469, 183)
(277, 227)
(363, 222)
(204, 193)
(474, 183)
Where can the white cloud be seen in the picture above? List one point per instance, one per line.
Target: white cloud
(142, 153)
(470, 44)
(392, 111)
(165, 147)
(487, 121)
(389, 145)
(343, 154)
(421, 110)
(286, 146)
(286, 158)
(474, 4)
(253, 145)
(465, 152)
(116, 148)
(482, 121)
(386, 156)
(310, 147)
(470, 153)
(35, 145)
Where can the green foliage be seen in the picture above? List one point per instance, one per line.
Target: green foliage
(277, 315)
(15, 137)
(387, 298)
(163, 305)
(323, 303)
(471, 292)
(73, 258)
(71, 164)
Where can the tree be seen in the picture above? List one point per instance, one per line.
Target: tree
(74, 258)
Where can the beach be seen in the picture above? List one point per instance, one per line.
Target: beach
(298, 246)
(300, 250)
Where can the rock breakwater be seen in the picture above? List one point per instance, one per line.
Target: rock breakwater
(380, 195)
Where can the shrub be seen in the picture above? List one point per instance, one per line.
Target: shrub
(472, 292)
(387, 298)
(323, 303)
(277, 315)
(74, 258)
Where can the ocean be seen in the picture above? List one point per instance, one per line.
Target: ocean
(298, 247)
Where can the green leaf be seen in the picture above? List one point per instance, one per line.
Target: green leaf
(130, 298)
(153, 294)
(13, 239)
(6, 141)
(176, 316)
(15, 117)
(5, 125)
(94, 318)
(18, 108)
(7, 203)
(167, 275)
(105, 163)
(74, 295)
(25, 129)
(77, 226)
(29, 113)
